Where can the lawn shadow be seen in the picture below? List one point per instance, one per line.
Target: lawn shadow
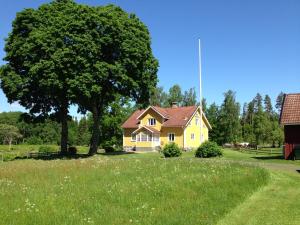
(268, 157)
(115, 153)
(52, 156)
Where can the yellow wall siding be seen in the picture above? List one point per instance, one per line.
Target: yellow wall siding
(152, 114)
(192, 128)
(164, 136)
(127, 137)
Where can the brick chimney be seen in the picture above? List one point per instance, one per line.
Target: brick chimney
(174, 105)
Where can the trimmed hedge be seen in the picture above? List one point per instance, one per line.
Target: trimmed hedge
(171, 150)
(208, 149)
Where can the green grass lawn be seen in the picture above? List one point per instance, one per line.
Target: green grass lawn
(124, 190)
(144, 188)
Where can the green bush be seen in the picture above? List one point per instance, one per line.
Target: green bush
(72, 150)
(171, 150)
(208, 149)
(46, 149)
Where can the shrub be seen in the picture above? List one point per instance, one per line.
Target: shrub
(72, 150)
(208, 149)
(46, 149)
(171, 150)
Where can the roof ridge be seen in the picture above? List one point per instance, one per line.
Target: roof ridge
(293, 93)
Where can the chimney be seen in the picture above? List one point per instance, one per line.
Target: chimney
(174, 105)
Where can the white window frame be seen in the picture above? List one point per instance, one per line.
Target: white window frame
(151, 121)
(173, 137)
(192, 136)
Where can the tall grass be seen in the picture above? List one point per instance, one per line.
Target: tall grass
(123, 190)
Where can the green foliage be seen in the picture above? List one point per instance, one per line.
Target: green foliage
(171, 150)
(159, 97)
(9, 133)
(189, 97)
(208, 149)
(175, 95)
(279, 102)
(257, 125)
(228, 119)
(83, 134)
(46, 149)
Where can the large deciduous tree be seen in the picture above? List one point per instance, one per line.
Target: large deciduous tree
(115, 59)
(64, 53)
(42, 56)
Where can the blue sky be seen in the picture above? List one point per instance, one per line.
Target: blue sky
(247, 46)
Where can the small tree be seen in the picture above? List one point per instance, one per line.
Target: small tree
(9, 133)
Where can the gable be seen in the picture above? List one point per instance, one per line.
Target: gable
(204, 119)
(150, 113)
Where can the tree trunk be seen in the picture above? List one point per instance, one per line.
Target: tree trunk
(64, 129)
(96, 131)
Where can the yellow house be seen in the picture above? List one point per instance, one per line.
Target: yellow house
(152, 128)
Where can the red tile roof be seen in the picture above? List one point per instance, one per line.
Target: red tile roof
(175, 117)
(290, 113)
(132, 121)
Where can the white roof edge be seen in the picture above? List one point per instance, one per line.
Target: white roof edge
(141, 128)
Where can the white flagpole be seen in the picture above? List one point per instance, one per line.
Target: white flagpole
(200, 90)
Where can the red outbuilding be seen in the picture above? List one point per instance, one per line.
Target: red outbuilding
(290, 119)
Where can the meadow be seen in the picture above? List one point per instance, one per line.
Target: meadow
(145, 188)
(131, 189)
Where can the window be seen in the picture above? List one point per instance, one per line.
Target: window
(171, 137)
(151, 122)
(192, 136)
(149, 137)
(133, 137)
(143, 137)
(197, 121)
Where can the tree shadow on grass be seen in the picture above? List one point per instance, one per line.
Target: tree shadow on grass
(268, 157)
(52, 156)
(57, 155)
(115, 153)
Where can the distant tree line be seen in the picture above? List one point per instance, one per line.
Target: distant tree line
(175, 95)
(22, 129)
(257, 124)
